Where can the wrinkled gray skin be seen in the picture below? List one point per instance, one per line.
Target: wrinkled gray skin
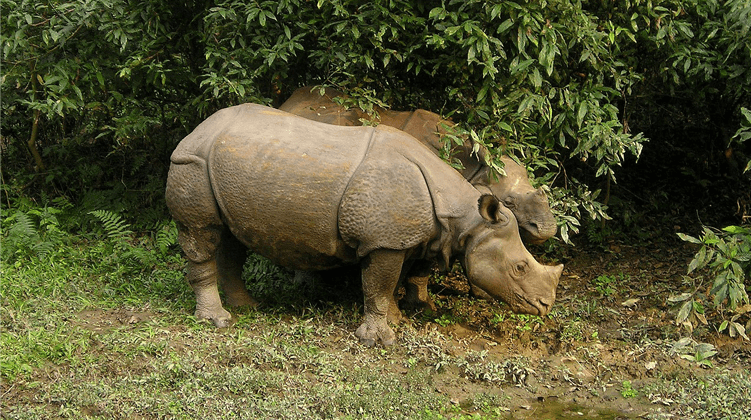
(529, 205)
(312, 196)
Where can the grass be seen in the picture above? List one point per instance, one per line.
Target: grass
(719, 395)
(96, 330)
(69, 349)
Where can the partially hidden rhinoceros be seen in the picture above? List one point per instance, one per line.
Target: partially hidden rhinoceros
(529, 205)
(313, 196)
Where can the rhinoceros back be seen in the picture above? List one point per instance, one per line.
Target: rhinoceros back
(278, 180)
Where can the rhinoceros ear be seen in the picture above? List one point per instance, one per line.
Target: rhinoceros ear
(490, 209)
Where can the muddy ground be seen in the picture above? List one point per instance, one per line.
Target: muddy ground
(612, 348)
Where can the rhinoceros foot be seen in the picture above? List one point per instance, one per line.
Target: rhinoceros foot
(221, 318)
(375, 329)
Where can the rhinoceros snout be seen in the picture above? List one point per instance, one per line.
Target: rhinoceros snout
(544, 305)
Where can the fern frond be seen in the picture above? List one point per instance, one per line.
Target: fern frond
(42, 249)
(25, 236)
(114, 225)
(166, 236)
(24, 229)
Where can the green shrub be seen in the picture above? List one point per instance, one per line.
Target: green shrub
(108, 88)
(32, 231)
(726, 255)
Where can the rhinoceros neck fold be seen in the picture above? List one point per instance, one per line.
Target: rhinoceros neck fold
(454, 201)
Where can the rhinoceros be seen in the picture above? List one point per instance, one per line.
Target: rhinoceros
(529, 205)
(313, 196)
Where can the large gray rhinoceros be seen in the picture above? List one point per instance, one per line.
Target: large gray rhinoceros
(313, 196)
(530, 205)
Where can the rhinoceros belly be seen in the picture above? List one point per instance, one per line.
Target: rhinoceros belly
(279, 179)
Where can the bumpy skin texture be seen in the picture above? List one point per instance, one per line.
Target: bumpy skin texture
(529, 205)
(313, 196)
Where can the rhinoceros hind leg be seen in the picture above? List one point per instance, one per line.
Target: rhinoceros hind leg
(202, 278)
(416, 287)
(380, 275)
(231, 255)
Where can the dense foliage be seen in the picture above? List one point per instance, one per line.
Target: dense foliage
(97, 93)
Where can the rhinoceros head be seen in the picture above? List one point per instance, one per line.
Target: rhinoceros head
(497, 262)
(533, 215)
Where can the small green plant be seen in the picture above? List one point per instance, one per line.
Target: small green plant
(497, 319)
(628, 391)
(694, 351)
(129, 251)
(744, 133)
(116, 229)
(572, 331)
(447, 319)
(527, 322)
(605, 285)
(691, 312)
(33, 232)
(734, 327)
(726, 255)
(166, 237)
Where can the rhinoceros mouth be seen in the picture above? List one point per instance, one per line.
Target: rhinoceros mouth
(530, 305)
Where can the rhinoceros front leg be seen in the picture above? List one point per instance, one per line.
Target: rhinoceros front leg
(380, 275)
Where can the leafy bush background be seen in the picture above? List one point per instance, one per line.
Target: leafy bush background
(97, 93)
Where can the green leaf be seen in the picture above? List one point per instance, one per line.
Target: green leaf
(517, 67)
(699, 260)
(684, 312)
(740, 329)
(723, 326)
(680, 298)
(536, 78)
(583, 108)
(688, 238)
(503, 27)
(737, 230)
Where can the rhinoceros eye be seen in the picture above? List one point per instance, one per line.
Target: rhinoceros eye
(520, 268)
(509, 203)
